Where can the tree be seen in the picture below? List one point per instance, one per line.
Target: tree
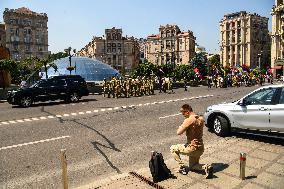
(200, 61)
(13, 68)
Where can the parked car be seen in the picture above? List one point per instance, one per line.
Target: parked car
(66, 87)
(262, 109)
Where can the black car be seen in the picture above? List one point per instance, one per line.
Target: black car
(66, 87)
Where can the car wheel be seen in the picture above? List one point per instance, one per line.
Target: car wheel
(221, 126)
(26, 101)
(74, 97)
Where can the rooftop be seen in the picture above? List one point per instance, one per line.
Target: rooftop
(24, 10)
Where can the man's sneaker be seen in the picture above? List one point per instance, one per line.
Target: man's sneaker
(183, 170)
(209, 172)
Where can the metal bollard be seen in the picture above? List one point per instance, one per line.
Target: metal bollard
(243, 165)
(64, 168)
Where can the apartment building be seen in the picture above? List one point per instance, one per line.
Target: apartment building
(277, 37)
(170, 46)
(244, 39)
(26, 33)
(122, 53)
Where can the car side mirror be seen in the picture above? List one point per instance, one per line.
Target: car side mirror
(243, 102)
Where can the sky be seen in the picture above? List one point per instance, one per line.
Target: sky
(75, 22)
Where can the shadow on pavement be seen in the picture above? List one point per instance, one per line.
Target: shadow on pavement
(266, 137)
(218, 167)
(52, 103)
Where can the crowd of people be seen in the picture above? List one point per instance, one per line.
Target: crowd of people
(118, 87)
(247, 79)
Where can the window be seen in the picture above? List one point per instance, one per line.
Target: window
(113, 45)
(60, 82)
(108, 50)
(113, 50)
(28, 48)
(109, 44)
(118, 44)
(281, 100)
(261, 97)
(119, 50)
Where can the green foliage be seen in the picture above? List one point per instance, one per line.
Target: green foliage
(13, 68)
(200, 61)
(167, 70)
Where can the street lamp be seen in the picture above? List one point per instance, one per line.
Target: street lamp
(68, 51)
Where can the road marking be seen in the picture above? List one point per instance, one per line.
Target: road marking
(35, 142)
(170, 116)
(103, 109)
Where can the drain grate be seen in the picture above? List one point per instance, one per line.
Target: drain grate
(146, 180)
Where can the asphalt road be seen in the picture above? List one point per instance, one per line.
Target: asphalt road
(102, 136)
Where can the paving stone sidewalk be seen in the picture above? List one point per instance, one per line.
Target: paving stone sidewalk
(264, 169)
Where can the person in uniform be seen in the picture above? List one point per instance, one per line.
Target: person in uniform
(194, 148)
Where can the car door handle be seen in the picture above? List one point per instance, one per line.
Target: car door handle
(263, 109)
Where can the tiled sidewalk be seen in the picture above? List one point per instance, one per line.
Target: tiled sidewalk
(264, 169)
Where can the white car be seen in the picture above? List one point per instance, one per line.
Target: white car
(262, 109)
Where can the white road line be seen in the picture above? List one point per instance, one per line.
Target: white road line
(170, 116)
(35, 142)
(103, 109)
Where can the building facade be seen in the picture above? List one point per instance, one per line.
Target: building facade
(26, 33)
(170, 46)
(2, 35)
(277, 37)
(122, 53)
(244, 40)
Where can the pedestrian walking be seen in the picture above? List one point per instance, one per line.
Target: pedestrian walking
(194, 148)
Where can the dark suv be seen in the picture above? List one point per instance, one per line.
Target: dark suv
(66, 87)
